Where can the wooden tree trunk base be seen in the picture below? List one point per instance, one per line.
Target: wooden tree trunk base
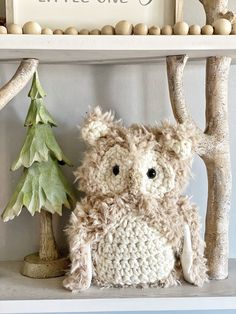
(34, 267)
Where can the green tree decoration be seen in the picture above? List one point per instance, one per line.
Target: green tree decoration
(42, 188)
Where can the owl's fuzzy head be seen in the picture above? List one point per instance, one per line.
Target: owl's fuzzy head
(138, 160)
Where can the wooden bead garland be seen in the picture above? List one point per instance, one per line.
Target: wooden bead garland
(3, 30)
(71, 31)
(108, 30)
(181, 28)
(167, 30)
(194, 30)
(47, 31)
(32, 28)
(140, 29)
(58, 32)
(14, 29)
(124, 28)
(154, 30)
(222, 27)
(207, 30)
(84, 31)
(95, 32)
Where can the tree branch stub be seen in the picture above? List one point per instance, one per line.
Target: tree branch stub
(175, 69)
(217, 9)
(22, 76)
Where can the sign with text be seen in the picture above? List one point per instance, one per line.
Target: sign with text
(90, 13)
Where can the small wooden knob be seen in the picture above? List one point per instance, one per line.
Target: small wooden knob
(207, 30)
(194, 30)
(47, 31)
(14, 29)
(95, 32)
(124, 28)
(32, 28)
(154, 30)
(84, 31)
(108, 30)
(58, 32)
(71, 31)
(222, 27)
(140, 29)
(167, 30)
(3, 30)
(181, 28)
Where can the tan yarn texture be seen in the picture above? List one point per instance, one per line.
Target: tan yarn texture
(129, 228)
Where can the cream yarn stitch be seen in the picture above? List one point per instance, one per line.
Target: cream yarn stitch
(132, 254)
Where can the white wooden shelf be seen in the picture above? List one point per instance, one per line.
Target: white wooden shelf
(19, 294)
(112, 49)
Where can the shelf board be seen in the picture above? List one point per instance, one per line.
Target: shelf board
(112, 49)
(20, 294)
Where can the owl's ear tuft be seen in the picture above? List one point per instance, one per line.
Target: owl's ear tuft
(97, 125)
(180, 139)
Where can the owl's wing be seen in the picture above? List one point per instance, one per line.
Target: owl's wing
(187, 254)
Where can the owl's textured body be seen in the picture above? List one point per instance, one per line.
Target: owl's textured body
(133, 253)
(130, 229)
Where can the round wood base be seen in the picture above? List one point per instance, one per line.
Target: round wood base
(34, 267)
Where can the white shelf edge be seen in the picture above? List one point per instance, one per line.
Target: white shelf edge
(117, 305)
(112, 49)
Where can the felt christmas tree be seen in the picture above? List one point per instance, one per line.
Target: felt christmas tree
(42, 188)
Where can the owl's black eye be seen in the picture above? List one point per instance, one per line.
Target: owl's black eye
(151, 173)
(116, 170)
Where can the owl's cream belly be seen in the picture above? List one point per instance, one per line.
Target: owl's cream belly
(132, 254)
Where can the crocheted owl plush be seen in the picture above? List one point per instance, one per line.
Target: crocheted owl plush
(133, 227)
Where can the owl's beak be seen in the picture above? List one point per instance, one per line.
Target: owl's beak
(134, 182)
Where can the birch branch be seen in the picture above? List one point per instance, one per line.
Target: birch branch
(175, 69)
(213, 148)
(175, 73)
(218, 167)
(22, 76)
(217, 9)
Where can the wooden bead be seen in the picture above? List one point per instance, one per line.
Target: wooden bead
(71, 31)
(167, 30)
(207, 30)
(32, 28)
(14, 29)
(140, 29)
(222, 27)
(58, 32)
(47, 31)
(124, 28)
(233, 32)
(194, 30)
(84, 31)
(3, 30)
(95, 32)
(108, 30)
(181, 28)
(154, 30)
